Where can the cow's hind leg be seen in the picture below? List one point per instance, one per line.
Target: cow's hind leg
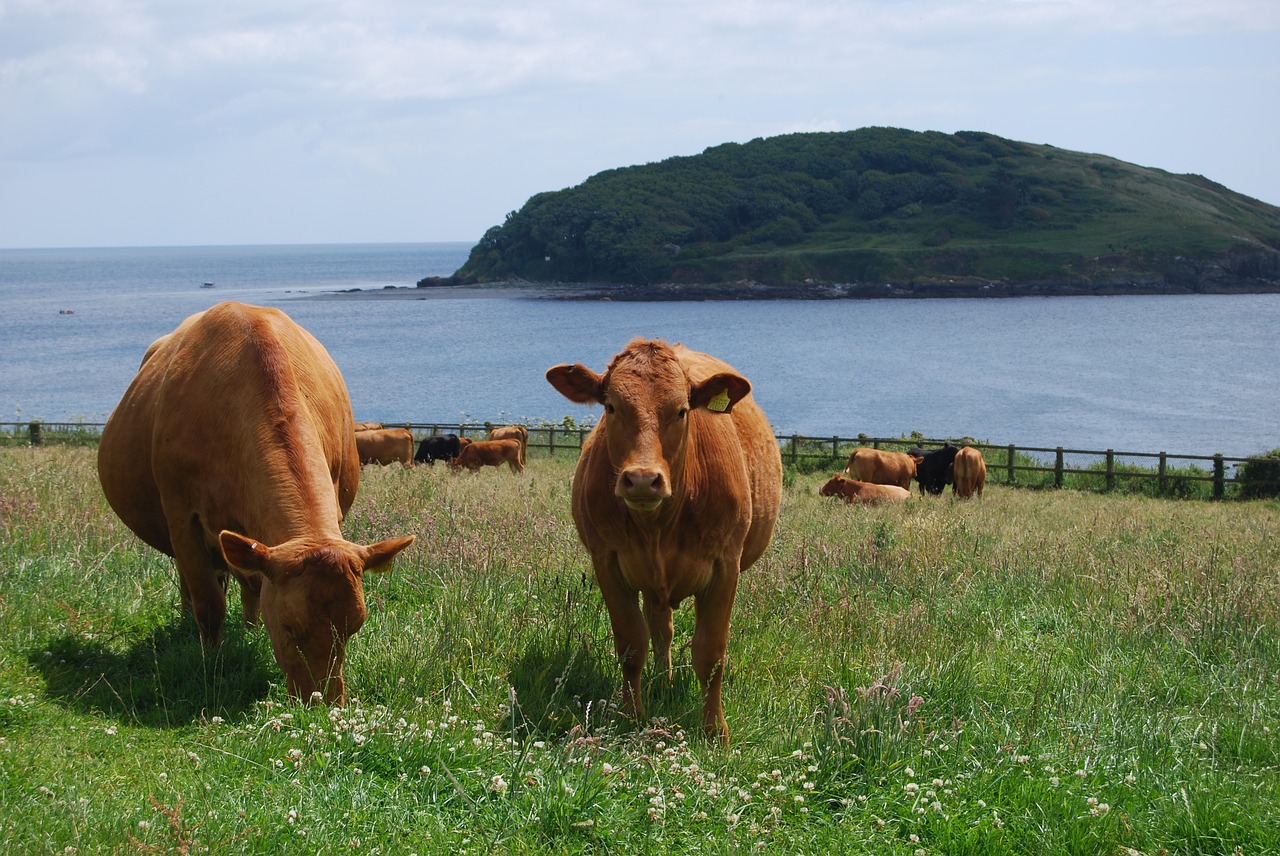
(657, 614)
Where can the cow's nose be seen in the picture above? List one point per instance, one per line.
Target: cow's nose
(642, 483)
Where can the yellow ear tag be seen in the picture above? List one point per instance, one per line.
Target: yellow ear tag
(719, 402)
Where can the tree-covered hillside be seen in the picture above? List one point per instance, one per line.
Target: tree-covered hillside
(877, 206)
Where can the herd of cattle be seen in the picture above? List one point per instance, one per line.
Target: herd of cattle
(874, 476)
(234, 451)
(378, 445)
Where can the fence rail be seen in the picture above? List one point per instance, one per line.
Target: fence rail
(1004, 462)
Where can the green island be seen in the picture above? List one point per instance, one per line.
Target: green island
(883, 212)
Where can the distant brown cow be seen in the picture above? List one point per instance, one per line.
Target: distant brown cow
(881, 467)
(489, 453)
(676, 491)
(863, 493)
(969, 472)
(385, 446)
(232, 450)
(367, 426)
(513, 432)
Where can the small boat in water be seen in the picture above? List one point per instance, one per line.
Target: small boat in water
(66, 312)
(207, 285)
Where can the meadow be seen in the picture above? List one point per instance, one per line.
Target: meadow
(1041, 671)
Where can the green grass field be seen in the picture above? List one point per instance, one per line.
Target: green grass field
(1038, 672)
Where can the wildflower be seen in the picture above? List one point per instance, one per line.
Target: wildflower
(1054, 781)
(144, 825)
(498, 784)
(292, 816)
(606, 769)
(911, 787)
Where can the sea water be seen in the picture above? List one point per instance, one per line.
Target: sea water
(1184, 374)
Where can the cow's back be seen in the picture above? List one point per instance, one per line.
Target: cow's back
(236, 396)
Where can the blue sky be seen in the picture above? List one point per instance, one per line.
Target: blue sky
(162, 122)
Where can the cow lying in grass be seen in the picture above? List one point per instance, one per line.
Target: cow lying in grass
(863, 493)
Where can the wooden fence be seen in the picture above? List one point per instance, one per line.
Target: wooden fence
(1004, 462)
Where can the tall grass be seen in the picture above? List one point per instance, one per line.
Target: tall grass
(1036, 672)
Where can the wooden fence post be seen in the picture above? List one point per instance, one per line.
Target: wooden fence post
(1163, 468)
(1009, 464)
(1111, 470)
(36, 438)
(795, 449)
(1219, 477)
(1057, 469)
(835, 448)
(551, 441)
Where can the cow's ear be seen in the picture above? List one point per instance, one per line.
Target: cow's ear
(577, 383)
(378, 557)
(720, 392)
(245, 554)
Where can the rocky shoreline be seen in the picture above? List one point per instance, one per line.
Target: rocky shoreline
(958, 287)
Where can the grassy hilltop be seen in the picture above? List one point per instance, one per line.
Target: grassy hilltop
(1041, 671)
(887, 212)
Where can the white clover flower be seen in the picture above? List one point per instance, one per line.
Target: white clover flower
(498, 785)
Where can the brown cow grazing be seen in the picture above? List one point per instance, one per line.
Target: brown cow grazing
(489, 453)
(675, 493)
(232, 450)
(385, 446)
(969, 472)
(881, 467)
(513, 432)
(863, 493)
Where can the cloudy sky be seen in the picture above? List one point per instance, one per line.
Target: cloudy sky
(157, 122)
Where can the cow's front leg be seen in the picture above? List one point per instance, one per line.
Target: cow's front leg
(630, 633)
(201, 584)
(713, 607)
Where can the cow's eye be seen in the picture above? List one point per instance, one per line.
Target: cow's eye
(608, 408)
(682, 413)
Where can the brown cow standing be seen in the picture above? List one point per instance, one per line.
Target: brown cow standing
(676, 492)
(366, 426)
(969, 472)
(514, 432)
(232, 449)
(881, 467)
(489, 453)
(385, 446)
(857, 492)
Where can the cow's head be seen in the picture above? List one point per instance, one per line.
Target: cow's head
(312, 602)
(833, 486)
(648, 398)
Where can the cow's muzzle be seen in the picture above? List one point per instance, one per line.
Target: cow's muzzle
(642, 488)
